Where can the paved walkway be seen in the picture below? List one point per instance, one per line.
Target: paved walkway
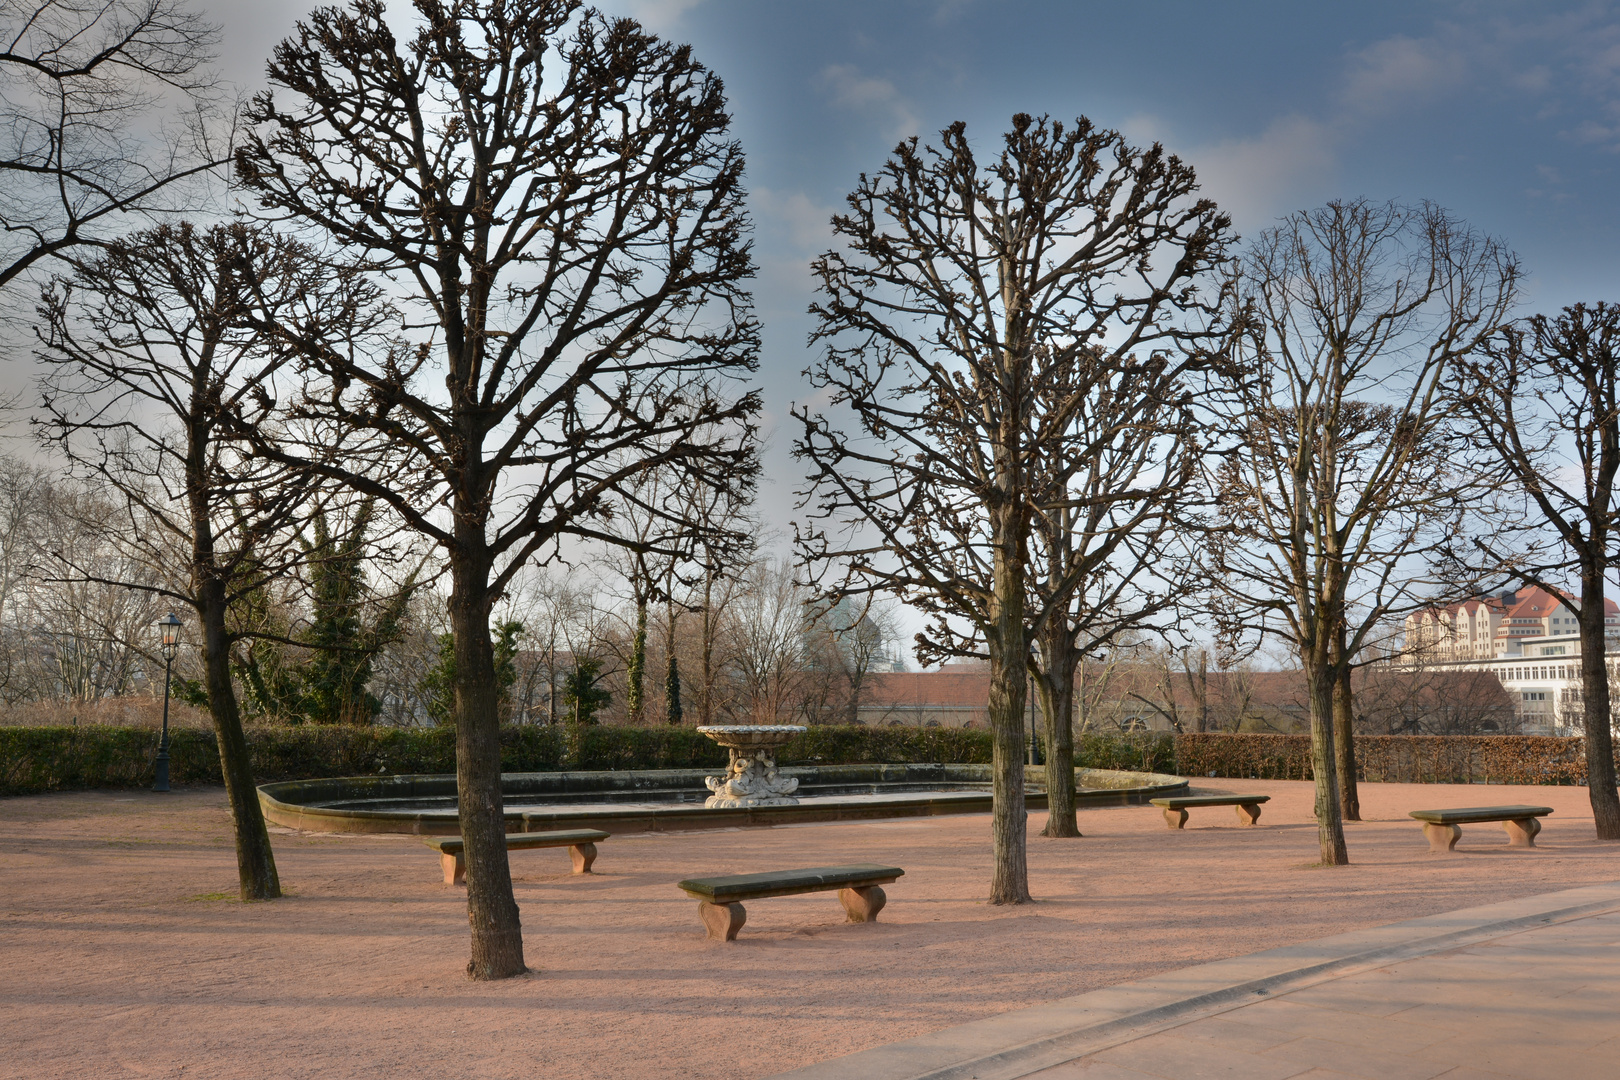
(1524, 989)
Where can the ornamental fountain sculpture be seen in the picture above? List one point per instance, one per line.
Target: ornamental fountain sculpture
(751, 779)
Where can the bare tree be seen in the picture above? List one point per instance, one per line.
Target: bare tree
(94, 631)
(80, 80)
(964, 300)
(556, 199)
(1120, 486)
(153, 365)
(769, 646)
(1344, 474)
(549, 607)
(1544, 397)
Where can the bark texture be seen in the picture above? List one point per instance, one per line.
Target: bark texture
(1596, 714)
(255, 862)
(1009, 880)
(492, 912)
(1344, 743)
(1055, 686)
(1324, 763)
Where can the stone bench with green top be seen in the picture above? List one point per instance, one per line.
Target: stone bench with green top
(720, 899)
(1175, 809)
(1521, 823)
(581, 845)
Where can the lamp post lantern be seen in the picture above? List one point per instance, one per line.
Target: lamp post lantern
(170, 626)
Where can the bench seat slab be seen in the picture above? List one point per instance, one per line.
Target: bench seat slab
(579, 842)
(1175, 810)
(516, 841)
(743, 887)
(1475, 814)
(1521, 823)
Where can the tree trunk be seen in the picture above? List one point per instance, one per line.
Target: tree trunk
(1009, 881)
(672, 674)
(1344, 737)
(1597, 722)
(1056, 685)
(1009, 682)
(255, 861)
(1319, 674)
(638, 663)
(492, 911)
(706, 690)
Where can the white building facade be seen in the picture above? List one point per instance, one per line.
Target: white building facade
(1529, 640)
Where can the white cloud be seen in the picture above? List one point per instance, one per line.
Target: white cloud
(1399, 72)
(794, 216)
(659, 16)
(1259, 179)
(848, 88)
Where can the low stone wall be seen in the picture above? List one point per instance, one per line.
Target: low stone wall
(426, 804)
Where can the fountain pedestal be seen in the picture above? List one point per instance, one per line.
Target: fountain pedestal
(751, 778)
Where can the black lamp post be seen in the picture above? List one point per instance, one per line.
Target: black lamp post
(170, 626)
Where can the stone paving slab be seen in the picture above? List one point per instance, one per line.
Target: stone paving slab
(1529, 988)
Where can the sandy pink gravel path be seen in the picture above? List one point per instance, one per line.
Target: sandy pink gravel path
(118, 958)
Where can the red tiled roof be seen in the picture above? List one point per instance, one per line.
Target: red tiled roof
(967, 689)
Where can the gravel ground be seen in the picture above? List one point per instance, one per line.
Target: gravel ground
(123, 953)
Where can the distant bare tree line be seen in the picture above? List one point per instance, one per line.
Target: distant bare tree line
(760, 650)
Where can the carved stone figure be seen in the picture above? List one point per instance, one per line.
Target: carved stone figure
(751, 778)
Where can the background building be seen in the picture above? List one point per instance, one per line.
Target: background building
(1529, 640)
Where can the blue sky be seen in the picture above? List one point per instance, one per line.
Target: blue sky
(1506, 113)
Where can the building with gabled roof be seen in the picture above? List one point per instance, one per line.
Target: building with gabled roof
(1529, 639)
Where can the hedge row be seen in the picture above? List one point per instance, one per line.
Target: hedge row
(1412, 759)
(38, 759)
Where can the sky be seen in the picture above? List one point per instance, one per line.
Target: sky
(1508, 114)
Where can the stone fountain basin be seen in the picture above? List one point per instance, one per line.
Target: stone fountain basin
(751, 736)
(656, 800)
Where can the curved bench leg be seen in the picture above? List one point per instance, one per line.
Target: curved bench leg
(455, 868)
(1442, 838)
(583, 855)
(1522, 831)
(863, 904)
(1248, 813)
(722, 920)
(1175, 818)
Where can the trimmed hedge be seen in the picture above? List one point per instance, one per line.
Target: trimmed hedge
(1412, 759)
(39, 759)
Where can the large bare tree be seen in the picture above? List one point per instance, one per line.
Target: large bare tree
(155, 361)
(555, 199)
(106, 110)
(1344, 475)
(1544, 397)
(964, 299)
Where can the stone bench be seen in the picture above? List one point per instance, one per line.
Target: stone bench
(1520, 822)
(1175, 809)
(720, 898)
(581, 845)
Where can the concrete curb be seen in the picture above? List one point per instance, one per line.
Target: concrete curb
(1023, 1041)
